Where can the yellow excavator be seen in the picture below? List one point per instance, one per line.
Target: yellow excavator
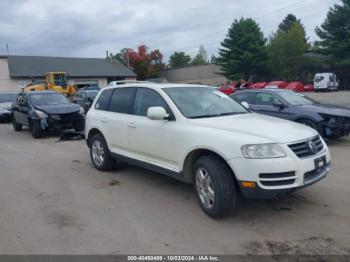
(56, 81)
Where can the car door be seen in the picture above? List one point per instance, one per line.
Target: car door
(265, 104)
(151, 140)
(117, 119)
(21, 109)
(248, 97)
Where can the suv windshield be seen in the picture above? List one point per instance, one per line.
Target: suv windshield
(201, 102)
(7, 98)
(48, 99)
(296, 99)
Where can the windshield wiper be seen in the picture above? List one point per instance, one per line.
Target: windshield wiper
(217, 115)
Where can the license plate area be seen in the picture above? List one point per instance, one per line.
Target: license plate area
(320, 163)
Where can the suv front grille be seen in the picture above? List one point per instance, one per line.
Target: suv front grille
(308, 147)
(70, 117)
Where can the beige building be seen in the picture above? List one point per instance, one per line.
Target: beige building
(17, 71)
(208, 74)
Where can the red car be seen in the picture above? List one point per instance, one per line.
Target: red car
(309, 88)
(259, 85)
(279, 84)
(296, 86)
(228, 89)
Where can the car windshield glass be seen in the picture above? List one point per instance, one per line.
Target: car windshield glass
(7, 98)
(201, 102)
(48, 99)
(296, 99)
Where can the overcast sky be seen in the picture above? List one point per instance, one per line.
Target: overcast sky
(86, 28)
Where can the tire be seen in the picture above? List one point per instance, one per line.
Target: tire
(224, 197)
(35, 128)
(308, 123)
(17, 127)
(100, 155)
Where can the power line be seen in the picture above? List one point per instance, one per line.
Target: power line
(259, 17)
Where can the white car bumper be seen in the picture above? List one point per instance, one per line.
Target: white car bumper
(272, 177)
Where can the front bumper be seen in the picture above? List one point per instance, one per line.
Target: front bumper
(273, 177)
(50, 124)
(5, 115)
(260, 193)
(336, 130)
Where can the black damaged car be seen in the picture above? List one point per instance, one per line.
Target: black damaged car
(331, 121)
(45, 111)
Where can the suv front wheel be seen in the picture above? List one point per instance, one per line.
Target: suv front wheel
(215, 187)
(100, 154)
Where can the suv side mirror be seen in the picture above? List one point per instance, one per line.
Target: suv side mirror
(245, 104)
(278, 104)
(157, 113)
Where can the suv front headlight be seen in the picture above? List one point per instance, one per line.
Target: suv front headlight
(262, 151)
(81, 111)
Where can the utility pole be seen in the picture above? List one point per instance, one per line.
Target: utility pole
(7, 49)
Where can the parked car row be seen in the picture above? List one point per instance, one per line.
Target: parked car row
(330, 121)
(322, 82)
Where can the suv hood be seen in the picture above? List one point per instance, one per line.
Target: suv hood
(59, 108)
(271, 128)
(328, 109)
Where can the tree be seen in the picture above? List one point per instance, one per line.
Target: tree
(213, 59)
(334, 42)
(243, 54)
(286, 53)
(122, 56)
(179, 59)
(287, 23)
(201, 58)
(145, 64)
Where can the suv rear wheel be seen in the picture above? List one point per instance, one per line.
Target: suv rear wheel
(100, 154)
(215, 187)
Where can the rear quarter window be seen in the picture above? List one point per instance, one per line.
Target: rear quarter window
(103, 100)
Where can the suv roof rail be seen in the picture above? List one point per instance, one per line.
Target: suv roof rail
(124, 82)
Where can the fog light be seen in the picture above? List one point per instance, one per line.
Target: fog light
(248, 184)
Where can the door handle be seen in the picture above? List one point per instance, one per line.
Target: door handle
(132, 125)
(104, 121)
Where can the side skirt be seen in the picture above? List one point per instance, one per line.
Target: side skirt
(176, 175)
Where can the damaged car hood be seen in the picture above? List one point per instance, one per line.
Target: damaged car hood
(328, 109)
(59, 108)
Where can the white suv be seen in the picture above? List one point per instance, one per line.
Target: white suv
(199, 135)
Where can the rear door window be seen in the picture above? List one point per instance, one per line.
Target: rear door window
(122, 99)
(103, 100)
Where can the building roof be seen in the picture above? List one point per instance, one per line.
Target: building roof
(37, 66)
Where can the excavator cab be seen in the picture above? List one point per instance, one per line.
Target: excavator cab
(56, 81)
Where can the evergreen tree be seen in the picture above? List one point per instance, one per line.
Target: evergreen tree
(334, 42)
(243, 53)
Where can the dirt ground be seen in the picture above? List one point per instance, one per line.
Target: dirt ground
(52, 201)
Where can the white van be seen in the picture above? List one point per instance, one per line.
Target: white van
(325, 82)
